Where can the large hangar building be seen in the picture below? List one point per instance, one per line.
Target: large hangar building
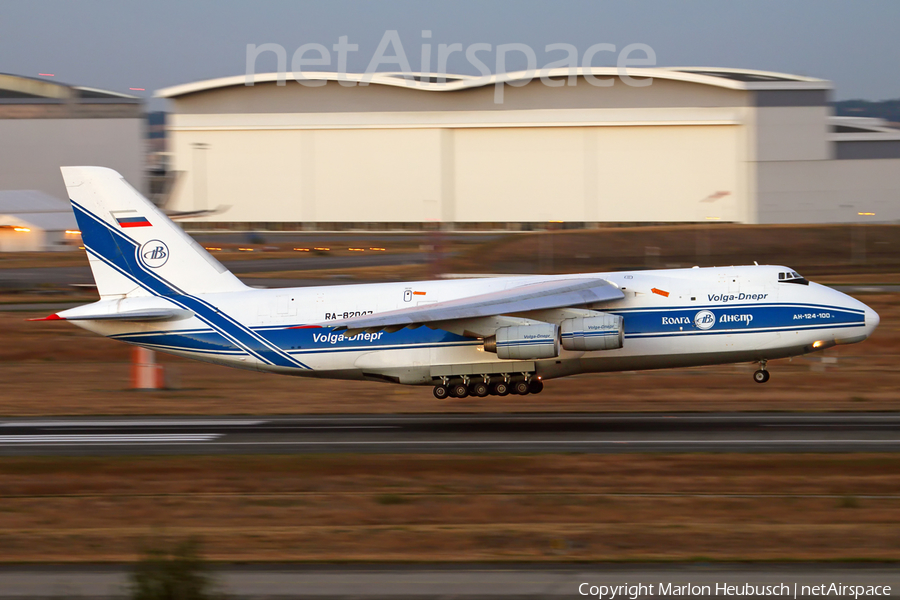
(45, 125)
(400, 150)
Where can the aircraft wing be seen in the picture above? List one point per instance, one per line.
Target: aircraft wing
(557, 293)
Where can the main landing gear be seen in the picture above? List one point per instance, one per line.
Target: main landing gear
(761, 376)
(485, 385)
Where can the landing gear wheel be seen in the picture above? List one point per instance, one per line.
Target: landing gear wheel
(520, 387)
(761, 376)
(479, 388)
(535, 386)
(441, 392)
(499, 388)
(459, 390)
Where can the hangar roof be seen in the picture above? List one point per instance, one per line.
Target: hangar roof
(736, 79)
(17, 87)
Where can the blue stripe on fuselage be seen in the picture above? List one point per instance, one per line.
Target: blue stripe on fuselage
(639, 323)
(304, 341)
(744, 318)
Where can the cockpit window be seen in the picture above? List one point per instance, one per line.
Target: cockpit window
(792, 277)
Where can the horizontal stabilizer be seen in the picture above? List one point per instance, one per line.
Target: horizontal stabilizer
(153, 314)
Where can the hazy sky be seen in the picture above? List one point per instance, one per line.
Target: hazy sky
(118, 44)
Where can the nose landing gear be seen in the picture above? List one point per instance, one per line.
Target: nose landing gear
(761, 376)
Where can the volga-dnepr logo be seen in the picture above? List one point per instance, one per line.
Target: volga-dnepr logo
(154, 254)
(704, 319)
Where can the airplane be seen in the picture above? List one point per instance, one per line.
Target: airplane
(472, 337)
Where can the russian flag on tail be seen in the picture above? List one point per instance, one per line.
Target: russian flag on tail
(131, 219)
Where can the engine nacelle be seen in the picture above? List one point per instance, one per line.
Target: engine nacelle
(525, 342)
(585, 334)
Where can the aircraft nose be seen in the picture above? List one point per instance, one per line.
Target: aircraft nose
(872, 320)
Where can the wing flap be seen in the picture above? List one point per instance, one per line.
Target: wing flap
(556, 293)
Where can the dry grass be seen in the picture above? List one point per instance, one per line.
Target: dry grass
(51, 368)
(456, 508)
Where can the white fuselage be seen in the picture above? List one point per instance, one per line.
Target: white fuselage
(672, 318)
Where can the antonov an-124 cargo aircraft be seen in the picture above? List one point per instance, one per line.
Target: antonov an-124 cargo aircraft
(161, 290)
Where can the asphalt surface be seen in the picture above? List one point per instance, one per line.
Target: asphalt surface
(461, 581)
(443, 433)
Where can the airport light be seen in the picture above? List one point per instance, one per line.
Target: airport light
(377, 249)
(302, 249)
(866, 214)
(22, 229)
(356, 249)
(72, 232)
(246, 249)
(212, 248)
(325, 249)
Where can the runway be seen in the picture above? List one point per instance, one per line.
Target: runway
(602, 433)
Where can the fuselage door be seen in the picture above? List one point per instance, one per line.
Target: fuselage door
(285, 306)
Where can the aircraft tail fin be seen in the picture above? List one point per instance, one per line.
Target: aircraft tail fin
(133, 248)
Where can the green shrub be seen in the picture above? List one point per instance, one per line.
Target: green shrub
(173, 573)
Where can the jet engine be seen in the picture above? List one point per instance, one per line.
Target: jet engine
(584, 334)
(525, 342)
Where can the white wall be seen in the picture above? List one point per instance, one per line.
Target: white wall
(519, 174)
(582, 173)
(377, 175)
(688, 173)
